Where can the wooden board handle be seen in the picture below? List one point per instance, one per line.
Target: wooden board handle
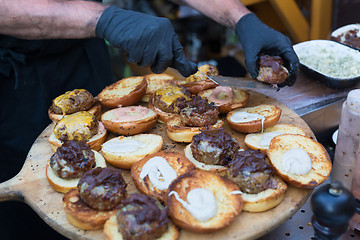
(10, 191)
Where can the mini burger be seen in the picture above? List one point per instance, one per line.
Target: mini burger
(169, 100)
(199, 114)
(260, 187)
(80, 126)
(72, 102)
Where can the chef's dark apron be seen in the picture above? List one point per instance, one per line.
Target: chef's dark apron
(32, 74)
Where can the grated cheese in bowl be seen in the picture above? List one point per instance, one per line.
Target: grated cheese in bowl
(329, 58)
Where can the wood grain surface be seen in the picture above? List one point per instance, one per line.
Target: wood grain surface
(31, 186)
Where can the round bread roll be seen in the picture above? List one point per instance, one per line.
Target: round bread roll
(299, 160)
(95, 142)
(202, 201)
(178, 132)
(94, 110)
(226, 98)
(123, 151)
(65, 185)
(261, 141)
(201, 85)
(254, 119)
(125, 92)
(201, 165)
(129, 120)
(153, 174)
(155, 82)
(81, 215)
(266, 199)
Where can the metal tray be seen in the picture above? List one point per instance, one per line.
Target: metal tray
(339, 34)
(318, 59)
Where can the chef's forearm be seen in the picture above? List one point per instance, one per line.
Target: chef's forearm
(225, 12)
(49, 19)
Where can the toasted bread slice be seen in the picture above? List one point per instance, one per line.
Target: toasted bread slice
(123, 151)
(266, 199)
(65, 185)
(227, 205)
(226, 98)
(125, 92)
(81, 215)
(261, 141)
(177, 131)
(168, 164)
(112, 233)
(254, 119)
(305, 174)
(154, 82)
(95, 142)
(132, 120)
(201, 165)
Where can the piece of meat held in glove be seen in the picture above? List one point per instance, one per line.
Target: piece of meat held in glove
(271, 70)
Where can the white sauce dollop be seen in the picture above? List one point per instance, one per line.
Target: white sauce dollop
(267, 137)
(296, 161)
(201, 203)
(121, 146)
(160, 173)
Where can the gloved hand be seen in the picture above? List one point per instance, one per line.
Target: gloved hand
(147, 40)
(257, 38)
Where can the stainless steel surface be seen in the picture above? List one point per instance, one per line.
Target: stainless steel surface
(325, 117)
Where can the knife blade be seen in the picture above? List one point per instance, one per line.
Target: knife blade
(209, 77)
(238, 82)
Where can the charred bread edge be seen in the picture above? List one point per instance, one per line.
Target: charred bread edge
(112, 233)
(65, 185)
(201, 165)
(91, 219)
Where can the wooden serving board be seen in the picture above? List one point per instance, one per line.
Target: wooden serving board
(30, 185)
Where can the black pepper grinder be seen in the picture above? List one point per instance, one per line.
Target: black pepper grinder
(333, 206)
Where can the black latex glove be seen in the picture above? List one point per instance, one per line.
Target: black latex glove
(257, 38)
(146, 40)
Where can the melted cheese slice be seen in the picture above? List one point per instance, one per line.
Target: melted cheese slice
(170, 94)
